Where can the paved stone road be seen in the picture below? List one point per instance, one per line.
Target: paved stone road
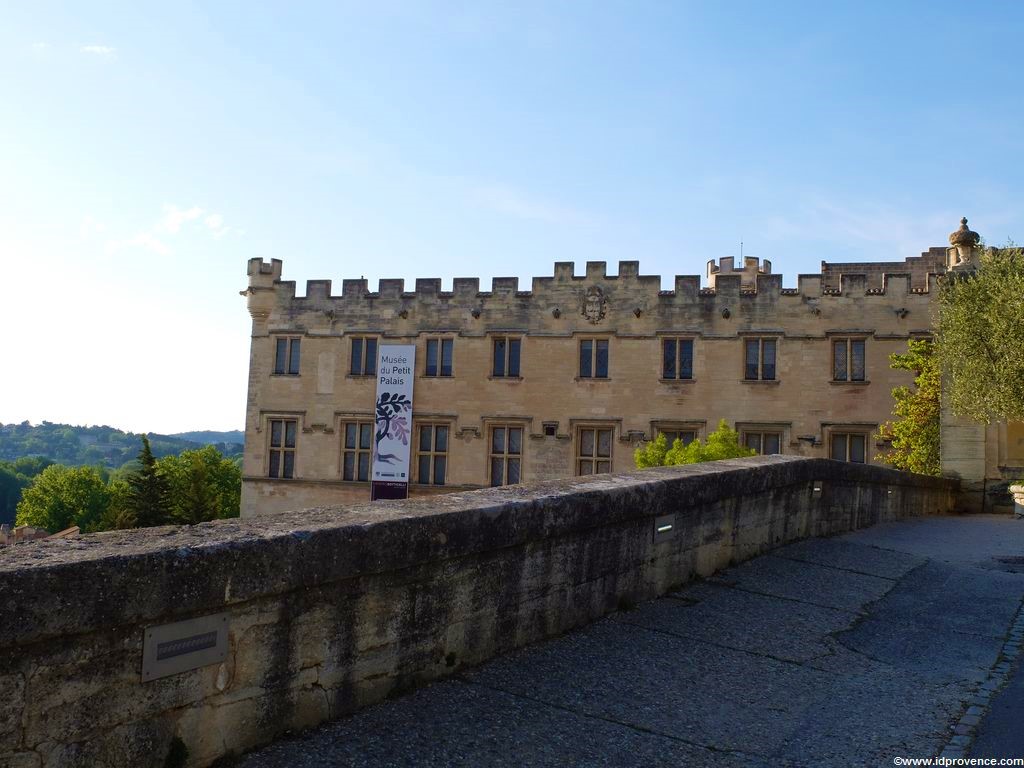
(1001, 733)
(842, 652)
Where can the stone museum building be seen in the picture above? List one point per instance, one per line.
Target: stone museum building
(569, 377)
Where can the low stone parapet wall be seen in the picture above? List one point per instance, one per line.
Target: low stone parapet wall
(319, 612)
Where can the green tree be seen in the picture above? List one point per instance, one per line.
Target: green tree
(204, 485)
(980, 340)
(30, 466)
(723, 443)
(126, 470)
(11, 484)
(915, 433)
(118, 514)
(652, 454)
(14, 478)
(34, 446)
(148, 491)
(64, 496)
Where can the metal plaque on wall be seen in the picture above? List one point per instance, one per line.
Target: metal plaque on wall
(173, 648)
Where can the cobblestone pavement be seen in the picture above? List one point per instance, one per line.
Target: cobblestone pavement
(885, 643)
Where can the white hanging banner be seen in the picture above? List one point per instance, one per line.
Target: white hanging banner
(396, 366)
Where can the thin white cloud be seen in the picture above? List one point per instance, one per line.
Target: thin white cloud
(145, 240)
(172, 222)
(512, 202)
(97, 50)
(174, 217)
(40, 47)
(215, 223)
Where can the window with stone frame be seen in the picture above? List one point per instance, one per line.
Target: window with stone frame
(848, 360)
(364, 356)
(849, 446)
(763, 442)
(677, 359)
(686, 436)
(505, 457)
(594, 359)
(431, 454)
(281, 448)
(286, 355)
(594, 450)
(439, 357)
(759, 357)
(506, 357)
(356, 450)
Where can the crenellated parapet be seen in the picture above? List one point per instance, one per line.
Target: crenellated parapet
(564, 303)
(921, 269)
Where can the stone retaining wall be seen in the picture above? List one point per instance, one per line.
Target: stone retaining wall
(332, 609)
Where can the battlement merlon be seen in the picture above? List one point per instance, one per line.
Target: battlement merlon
(262, 273)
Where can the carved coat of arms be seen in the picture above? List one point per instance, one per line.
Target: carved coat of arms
(594, 304)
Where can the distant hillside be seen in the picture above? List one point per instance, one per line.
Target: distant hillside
(207, 437)
(74, 445)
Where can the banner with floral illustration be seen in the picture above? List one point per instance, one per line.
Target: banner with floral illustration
(396, 366)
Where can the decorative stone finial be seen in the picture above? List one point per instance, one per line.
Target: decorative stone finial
(964, 236)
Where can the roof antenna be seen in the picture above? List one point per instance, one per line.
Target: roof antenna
(741, 251)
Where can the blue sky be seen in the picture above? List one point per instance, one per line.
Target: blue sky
(148, 150)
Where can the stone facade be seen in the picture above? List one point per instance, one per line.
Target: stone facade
(562, 415)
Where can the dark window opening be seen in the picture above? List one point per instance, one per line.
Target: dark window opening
(677, 359)
(286, 356)
(356, 450)
(764, 443)
(848, 360)
(364, 357)
(849, 447)
(506, 451)
(594, 451)
(685, 436)
(432, 454)
(759, 360)
(439, 357)
(594, 359)
(506, 358)
(281, 457)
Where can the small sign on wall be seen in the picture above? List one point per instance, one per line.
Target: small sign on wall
(396, 366)
(173, 648)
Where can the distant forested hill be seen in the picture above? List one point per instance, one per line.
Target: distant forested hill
(106, 446)
(206, 437)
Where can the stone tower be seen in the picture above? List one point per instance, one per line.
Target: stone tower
(962, 441)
